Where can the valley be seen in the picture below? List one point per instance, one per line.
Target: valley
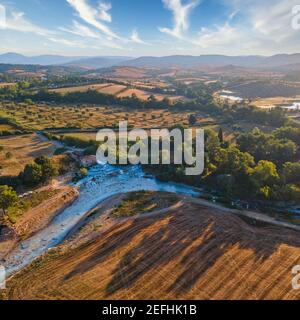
(72, 228)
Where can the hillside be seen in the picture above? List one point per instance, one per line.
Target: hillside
(213, 61)
(181, 61)
(190, 252)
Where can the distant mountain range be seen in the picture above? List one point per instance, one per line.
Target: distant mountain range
(214, 61)
(281, 61)
(49, 60)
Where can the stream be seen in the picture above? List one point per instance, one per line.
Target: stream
(103, 181)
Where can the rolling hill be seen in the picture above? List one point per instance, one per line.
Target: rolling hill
(214, 61)
(49, 60)
(188, 252)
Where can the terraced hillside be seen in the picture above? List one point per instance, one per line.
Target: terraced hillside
(192, 252)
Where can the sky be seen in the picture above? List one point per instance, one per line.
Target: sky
(149, 27)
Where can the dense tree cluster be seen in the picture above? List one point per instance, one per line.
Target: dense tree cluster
(260, 166)
(41, 171)
(275, 147)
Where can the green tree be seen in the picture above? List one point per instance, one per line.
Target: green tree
(265, 173)
(221, 136)
(264, 176)
(233, 161)
(32, 175)
(49, 169)
(8, 197)
(192, 119)
(291, 173)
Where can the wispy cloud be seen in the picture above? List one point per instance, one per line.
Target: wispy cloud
(135, 37)
(265, 25)
(17, 21)
(94, 16)
(104, 9)
(85, 32)
(252, 27)
(181, 13)
(81, 30)
(224, 35)
(68, 43)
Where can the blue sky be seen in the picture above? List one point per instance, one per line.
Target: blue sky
(148, 27)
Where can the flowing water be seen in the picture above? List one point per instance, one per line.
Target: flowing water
(102, 182)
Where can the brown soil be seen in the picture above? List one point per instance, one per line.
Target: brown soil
(8, 238)
(191, 252)
(38, 217)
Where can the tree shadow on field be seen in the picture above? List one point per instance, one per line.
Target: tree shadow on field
(193, 238)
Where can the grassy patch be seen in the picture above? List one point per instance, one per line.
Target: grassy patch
(28, 202)
(143, 202)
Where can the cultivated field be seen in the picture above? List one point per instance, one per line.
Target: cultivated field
(144, 95)
(123, 90)
(190, 252)
(96, 87)
(41, 116)
(126, 73)
(21, 150)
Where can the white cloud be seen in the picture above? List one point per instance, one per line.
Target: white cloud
(252, 27)
(81, 30)
(268, 25)
(66, 42)
(136, 38)
(104, 9)
(93, 16)
(181, 14)
(17, 21)
(220, 36)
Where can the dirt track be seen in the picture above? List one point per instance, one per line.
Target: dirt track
(192, 252)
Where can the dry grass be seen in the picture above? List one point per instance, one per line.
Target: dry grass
(193, 252)
(144, 95)
(6, 127)
(23, 149)
(106, 88)
(127, 73)
(268, 103)
(6, 84)
(114, 89)
(96, 87)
